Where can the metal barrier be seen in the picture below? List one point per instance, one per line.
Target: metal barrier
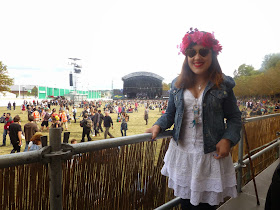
(58, 151)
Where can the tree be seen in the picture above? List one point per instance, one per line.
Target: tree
(5, 80)
(270, 61)
(34, 91)
(166, 86)
(245, 70)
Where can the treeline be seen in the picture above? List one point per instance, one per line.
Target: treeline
(264, 82)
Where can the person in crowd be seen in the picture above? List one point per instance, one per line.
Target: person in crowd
(8, 121)
(270, 108)
(55, 122)
(22, 107)
(15, 133)
(2, 118)
(45, 119)
(63, 118)
(96, 120)
(107, 124)
(36, 115)
(276, 108)
(119, 110)
(136, 107)
(67, 115)
(86, 124)
(74, 111)
(85, 111)
(244, 113)
(29, 129)
(146, 115)
(9, 106)
(73, 141)
(29, 111)
(198, 161)
(124, 120)
(101, 116)
(35, 142)
(54, 114)
(14, 105)
(259, 112)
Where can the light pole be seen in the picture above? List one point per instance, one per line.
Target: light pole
(23, 91)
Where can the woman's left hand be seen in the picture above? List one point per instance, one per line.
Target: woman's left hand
(222, 149)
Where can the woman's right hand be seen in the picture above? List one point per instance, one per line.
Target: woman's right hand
(154, 130)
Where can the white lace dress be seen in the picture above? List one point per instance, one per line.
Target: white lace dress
(192, 174)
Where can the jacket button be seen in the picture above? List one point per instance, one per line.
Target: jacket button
(204, 104)
(207, 135)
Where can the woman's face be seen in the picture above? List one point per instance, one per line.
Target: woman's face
(199, 64)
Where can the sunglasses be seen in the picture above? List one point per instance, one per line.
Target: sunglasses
(191, 52)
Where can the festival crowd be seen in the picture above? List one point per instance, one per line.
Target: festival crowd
(42, 115)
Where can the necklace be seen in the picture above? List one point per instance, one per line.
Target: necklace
(200, 86)
(196, 113)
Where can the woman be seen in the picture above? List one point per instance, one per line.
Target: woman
(124, 119)
(198, 161)
(35, 142)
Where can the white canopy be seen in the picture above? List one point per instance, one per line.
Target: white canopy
(6, 94)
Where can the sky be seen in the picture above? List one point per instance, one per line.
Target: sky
(114, 38)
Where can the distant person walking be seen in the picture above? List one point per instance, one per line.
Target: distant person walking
(14, 105)
(96, 120)
(45, 117)
(74, 111)
(9, 106)
(124, 124)
(29, 129)
(15, 134)
(36, 115)
(8, 121)
(86, 124)
(101, 117)
(146, 115)
(107, 124)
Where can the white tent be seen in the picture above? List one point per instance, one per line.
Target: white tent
(6, 94)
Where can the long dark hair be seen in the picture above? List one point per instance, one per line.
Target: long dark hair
(186, 77)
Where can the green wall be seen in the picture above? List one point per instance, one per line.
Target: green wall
(47, 92)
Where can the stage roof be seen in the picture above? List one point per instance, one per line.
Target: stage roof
(142, 73)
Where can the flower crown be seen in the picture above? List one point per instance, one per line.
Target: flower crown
(200, 37)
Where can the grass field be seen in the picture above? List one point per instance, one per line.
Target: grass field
(136, 125)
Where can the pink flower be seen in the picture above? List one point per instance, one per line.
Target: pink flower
(196, 36)
(185, 43)
(207, 40)
(217, 48)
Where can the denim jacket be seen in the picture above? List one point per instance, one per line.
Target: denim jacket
(218, 104)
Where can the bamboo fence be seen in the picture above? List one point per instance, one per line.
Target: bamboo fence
(259, 133)
(126, 177)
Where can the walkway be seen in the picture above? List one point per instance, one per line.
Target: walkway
(247, 199)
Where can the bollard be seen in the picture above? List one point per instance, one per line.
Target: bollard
(55, 170)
